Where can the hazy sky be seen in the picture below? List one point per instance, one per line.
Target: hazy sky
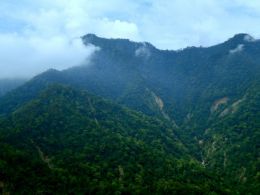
(39, 34)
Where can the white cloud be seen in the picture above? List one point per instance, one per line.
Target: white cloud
(181, 23)
(249, 38)
(143, 51)
(239, 48)
(27, 56)
(50, 36)
(42, 30)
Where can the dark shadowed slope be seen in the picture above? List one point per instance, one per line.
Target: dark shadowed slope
(177, 85)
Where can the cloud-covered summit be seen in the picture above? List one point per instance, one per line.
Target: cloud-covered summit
(35, 35)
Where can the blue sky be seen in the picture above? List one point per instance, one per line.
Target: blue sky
(45, 33)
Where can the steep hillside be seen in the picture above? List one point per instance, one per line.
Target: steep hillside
(67, 141)
(231, 144)
(176, 85)
(204, 103)
(134, 73)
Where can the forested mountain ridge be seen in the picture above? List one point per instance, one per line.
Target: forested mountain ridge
(181, 79)
(7, 85)
(209, 98)
(166, 83)
(84, 144)
(231, 144)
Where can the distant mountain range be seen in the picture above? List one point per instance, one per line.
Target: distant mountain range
(7, 85)
(137, 119)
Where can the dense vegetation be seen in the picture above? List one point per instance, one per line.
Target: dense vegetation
(84, 144)
(183, 122)
(231, 145)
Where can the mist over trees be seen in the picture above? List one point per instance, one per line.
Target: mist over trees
(174, 122)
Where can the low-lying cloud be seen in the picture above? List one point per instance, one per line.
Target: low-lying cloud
(143, 51)
(37, 35)
(28, 56)
(239, 48)
(249, 38)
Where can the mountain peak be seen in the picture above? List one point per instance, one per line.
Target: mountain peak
(88, 38)
(115, 43)
(241, 38)
(100, 41)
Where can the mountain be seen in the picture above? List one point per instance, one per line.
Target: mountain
(7, 85)
(166, 83)
(231, 144)
(209, 97)
(68, 141)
